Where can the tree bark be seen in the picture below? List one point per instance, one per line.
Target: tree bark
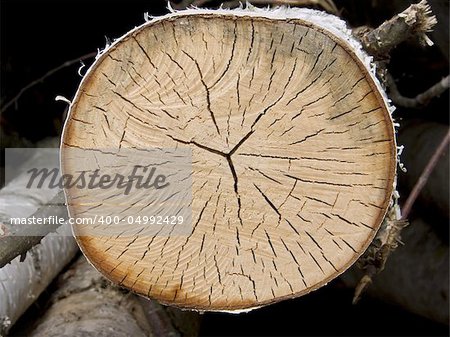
(86, 304)
(25, 238)
(21, 282)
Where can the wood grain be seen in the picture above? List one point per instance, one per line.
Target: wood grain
(293, 155)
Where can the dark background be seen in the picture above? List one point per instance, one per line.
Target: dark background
(39, 35)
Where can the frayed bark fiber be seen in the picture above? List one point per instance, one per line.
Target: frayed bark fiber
(415, 21)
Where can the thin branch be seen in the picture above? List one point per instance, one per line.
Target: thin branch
(43, 77)
(19, 243)
(415, 21)
(425, 175)
(421, 99)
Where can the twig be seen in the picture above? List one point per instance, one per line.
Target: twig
(421, 99)
(415, 21)
(21, 242)
(425, 175)
(43, 77)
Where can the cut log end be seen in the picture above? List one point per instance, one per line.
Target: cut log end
(293, 155)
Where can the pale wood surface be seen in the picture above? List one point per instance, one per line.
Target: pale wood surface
(293, 156)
